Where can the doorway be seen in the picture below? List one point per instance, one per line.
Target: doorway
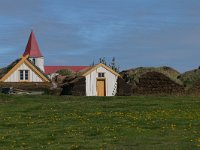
(101, 88)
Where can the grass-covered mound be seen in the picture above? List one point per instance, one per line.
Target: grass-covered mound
(50, 122)
(194, 89)
(74, 85)
(153, 80)
(133, 75)
(190, 78)
(157, 83)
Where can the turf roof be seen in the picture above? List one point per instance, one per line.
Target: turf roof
(5, 70)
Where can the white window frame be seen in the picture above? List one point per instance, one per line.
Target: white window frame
(23, 74)
(101, 74)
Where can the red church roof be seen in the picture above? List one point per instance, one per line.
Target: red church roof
(53, 69)
(32, 47)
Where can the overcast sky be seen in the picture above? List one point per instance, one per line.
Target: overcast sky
(76, 32)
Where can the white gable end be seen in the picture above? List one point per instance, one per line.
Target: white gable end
(15, 76)
(110, 82)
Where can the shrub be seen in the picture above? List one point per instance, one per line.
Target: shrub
(65, 72)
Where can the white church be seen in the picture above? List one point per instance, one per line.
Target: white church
(100, 79)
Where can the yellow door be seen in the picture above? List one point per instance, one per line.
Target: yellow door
(101, 91)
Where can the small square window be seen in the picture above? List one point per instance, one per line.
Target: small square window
(101, 75)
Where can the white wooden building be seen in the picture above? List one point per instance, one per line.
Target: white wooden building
(101, 81)
(22, 70)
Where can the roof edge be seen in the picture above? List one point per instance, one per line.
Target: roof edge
(101, 65)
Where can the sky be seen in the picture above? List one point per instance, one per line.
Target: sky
(138, 33)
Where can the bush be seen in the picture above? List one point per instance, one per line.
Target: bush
(65, 72)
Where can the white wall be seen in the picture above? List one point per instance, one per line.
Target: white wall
(39, 62)
(51, 76)
(111, 82)
(14, 77)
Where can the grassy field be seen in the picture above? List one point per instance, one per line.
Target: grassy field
(121, 123)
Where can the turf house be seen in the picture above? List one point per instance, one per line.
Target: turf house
(98, 80)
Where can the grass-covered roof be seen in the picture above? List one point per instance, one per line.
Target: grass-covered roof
(5, 70)
(135, 73)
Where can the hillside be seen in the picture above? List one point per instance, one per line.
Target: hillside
(132, 75)
(190, 78)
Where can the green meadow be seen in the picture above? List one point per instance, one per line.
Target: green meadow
(95, 123)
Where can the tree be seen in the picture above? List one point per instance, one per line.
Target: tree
(113, 65)
(103, 60)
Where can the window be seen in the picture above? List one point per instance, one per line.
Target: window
(101, 75)
(33, 60)
(26, 74)
(23, 75)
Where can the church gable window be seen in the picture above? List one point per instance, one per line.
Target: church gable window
(23, 75)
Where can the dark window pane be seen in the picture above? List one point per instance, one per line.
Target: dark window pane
(34, 60)
(100, 75)
(21, 75)
(26, 74)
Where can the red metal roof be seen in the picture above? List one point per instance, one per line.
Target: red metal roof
(32, 47)
(53, 69)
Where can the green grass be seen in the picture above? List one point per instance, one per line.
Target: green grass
(48, 122)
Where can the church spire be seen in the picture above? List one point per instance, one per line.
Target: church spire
(32, 48)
